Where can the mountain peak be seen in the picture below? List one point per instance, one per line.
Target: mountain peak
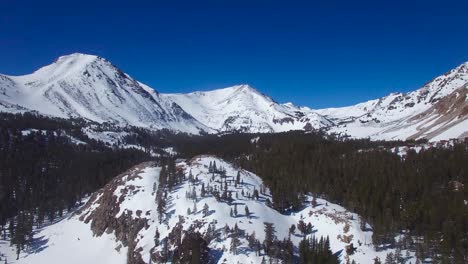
(68, 64)
(78, 59)
(77, 56)
(244, 87)
(247, 89)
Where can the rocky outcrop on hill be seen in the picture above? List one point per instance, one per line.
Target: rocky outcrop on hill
(102, 211)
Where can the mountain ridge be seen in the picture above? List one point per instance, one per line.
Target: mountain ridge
(91, 87)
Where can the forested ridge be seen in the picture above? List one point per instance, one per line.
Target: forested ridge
(44, 174)
(421, 196)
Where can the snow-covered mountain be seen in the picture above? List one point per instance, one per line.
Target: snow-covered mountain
(90, 87)
(244, 109)
(86, 86)
(438, 110)
(120, 223)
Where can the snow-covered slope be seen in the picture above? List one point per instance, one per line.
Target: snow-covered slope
(242, 108)
(86, 86)
(90, 87)
(438, 110)
(119, 223)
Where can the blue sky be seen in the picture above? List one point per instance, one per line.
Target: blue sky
(332, 53)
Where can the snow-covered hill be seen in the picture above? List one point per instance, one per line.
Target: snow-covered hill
(438, 110)
(244, 109)
(120, 223)
(90, 87)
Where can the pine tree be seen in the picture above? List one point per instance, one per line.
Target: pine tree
(195, 210)
(210, 233)
(161, 205)
(235, 243)
(190, 177)
(247, 212)
(255, 194)
(194, 194)
(292, 229)
(252, 240)
(302, 227)
(390, 259)
(226, 230)
(269, 238)
(156, 237)
(202, 191)
(309, 228)
(206, 210)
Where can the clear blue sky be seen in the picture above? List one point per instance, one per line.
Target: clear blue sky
(331, 53)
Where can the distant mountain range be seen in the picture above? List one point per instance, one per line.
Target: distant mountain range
(90, 87)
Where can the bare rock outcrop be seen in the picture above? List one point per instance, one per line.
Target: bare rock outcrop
(103, 207)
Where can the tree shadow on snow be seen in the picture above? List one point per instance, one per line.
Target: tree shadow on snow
(215, 255)
(210, 212)
(338, 253)
(170, 214)
(37, 245)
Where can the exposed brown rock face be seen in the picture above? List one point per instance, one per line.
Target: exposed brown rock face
(283, 120)
(103, 217)
(447, 112)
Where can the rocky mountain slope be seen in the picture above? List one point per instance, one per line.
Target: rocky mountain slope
(122, 222)
(436, 111)
(90, 87)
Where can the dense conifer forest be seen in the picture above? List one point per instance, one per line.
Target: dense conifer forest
(419, 197)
